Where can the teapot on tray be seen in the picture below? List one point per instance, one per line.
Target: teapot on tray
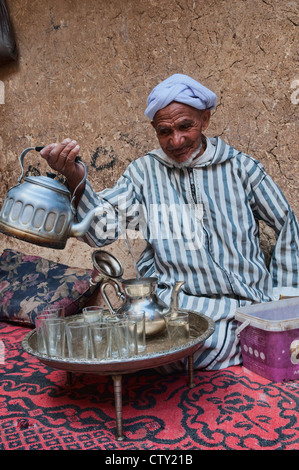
(136, 294)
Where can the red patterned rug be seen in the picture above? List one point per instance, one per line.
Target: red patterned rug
(232, 409)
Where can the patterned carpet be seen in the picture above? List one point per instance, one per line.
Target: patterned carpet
(232, 409)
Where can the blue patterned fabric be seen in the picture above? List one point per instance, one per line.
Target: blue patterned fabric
(28, 284)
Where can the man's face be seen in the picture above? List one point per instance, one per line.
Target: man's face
(179, 127)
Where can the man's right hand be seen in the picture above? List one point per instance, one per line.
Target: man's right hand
(61, 157)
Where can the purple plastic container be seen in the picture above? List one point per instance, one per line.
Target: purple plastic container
(269, 336)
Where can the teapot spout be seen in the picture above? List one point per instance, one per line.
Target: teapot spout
(174, 306)
(79, 229)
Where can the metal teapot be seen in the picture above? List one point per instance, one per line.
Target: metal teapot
(41, 211)
(139, 295)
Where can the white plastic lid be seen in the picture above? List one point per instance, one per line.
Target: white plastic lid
(279, 315)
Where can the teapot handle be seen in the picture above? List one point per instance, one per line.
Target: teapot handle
(22, 158)
(38, 149)
(117, 290)
(78, 160)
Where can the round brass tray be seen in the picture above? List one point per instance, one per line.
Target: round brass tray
(158, 352)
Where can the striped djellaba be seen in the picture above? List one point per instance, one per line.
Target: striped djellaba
(202, 227)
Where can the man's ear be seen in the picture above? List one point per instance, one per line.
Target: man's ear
(205, 119)
(153, 124)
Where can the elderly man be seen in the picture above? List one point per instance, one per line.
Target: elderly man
(197, 202)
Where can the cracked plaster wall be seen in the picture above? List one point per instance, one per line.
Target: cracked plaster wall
(86, 67)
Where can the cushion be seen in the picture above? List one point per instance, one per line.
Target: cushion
(28, 284)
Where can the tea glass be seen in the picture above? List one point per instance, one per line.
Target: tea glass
(178, 328)
(104, 340)
(113, 339)
(77, 336)
(59, 311)
(40, 326)
(55, 336)
(119, 340)
(137, 342)
(127, 337)
(92, 314)
(99, 334)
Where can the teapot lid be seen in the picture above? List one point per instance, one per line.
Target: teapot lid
(49, 183)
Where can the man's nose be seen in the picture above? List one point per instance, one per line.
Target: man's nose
(177, 139)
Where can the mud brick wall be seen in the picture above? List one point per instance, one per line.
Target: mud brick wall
(85, 69)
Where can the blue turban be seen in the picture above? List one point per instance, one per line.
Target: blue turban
(182, 89)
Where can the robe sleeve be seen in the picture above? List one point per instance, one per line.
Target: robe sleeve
(121, 210)
(272, 207)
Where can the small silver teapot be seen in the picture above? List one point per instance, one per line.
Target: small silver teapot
(40, 210)
(139, 295)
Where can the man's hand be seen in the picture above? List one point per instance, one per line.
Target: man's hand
(61, 157)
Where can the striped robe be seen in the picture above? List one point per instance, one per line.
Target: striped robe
(201, 225)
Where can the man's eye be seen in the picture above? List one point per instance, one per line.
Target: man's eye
(163, 131)
(185, 126)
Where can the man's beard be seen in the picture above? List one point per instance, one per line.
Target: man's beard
(189, 161)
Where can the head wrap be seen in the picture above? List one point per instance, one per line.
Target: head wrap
(179, 88)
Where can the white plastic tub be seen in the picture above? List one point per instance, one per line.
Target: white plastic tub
(269, 336)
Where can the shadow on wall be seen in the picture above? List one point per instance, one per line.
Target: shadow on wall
(8, 46)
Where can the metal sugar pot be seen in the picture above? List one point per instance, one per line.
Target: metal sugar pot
(40, 210)
(139, 295)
